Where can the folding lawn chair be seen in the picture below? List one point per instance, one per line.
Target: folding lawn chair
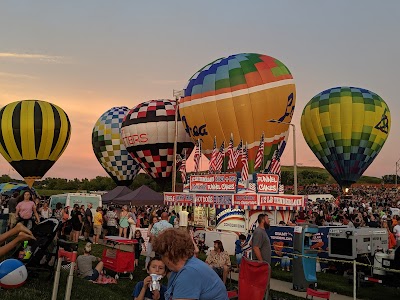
(254, 279)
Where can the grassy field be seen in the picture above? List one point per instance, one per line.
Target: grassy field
(41, 288)
(341, 285)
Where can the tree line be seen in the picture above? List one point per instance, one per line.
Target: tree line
(103, 183)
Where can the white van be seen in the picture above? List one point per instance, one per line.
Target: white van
(76, 198)
(320, 197)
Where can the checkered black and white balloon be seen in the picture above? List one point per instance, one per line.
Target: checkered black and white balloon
(109, 148)
(148, 132)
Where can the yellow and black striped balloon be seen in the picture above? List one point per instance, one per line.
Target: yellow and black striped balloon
(33, 135)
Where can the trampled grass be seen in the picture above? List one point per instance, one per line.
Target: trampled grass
(341, 285)
(41, 287)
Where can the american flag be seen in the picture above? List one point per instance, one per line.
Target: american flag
(182, 168)
(245, 162)
(275, 165)
(213, 158)
(260, 153)
(230, 153)
(220, 158)
(197, 155)
(235, 157)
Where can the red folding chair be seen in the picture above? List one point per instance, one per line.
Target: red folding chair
(254, 279)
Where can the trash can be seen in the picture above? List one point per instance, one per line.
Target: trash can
(304, 268)
(3, 223)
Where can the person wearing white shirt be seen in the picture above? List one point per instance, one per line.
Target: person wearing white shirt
(183, 218)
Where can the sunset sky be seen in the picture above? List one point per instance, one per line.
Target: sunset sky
(88, 56)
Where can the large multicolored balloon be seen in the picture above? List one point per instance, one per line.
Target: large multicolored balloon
(148, 132)
(33, 135)
(109, 149)
(237, 95)
(346, 128)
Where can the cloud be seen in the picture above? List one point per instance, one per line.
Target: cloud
(42, 57)
(14, 75)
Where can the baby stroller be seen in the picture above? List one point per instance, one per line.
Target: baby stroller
(40, 254)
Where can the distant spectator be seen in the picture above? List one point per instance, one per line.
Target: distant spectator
(97, 224)
(172, 218)
(12, 205)
(132, 223)
(219, 260)
(161, 225)
(88, 222)
(239, 244)
(84, 264)
(58, 212)
(26, 209)
(123, 221)
(111, 218)
(76, 220)
(138, 246)
(45, 211)
(149, 252)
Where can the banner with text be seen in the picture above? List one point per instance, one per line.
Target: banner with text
(179, 198)
(213, 199)
(289, 201)
(226, 183)
(231, 220)
(245, 200)
(267, 183)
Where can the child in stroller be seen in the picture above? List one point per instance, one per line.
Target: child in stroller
(40, 254)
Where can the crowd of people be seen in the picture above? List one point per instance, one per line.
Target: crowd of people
(360, 206)
(171, 249)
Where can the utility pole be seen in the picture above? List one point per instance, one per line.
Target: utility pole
(177, 94)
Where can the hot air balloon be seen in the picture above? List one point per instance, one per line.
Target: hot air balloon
(33, 135)
(346, 128)
(148, 133)
(237, 95)
(109, 149)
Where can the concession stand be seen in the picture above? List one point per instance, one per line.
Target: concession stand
(221, 202)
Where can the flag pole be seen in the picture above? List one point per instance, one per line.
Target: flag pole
(177, 94)
(200, 154)
(263, 156)
(247, 154)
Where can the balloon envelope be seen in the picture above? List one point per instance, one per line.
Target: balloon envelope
(10, 188)
(109, 149)
(33, 135)
(346, 128)
(237, 95)
(148, 132)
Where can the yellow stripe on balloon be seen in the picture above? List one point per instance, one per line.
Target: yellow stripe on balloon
(346, 108)
(358, 120)
(27, 121)
(308, 124)
(62, 138)
(47, 130)
(5, 153)
(8, 132)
